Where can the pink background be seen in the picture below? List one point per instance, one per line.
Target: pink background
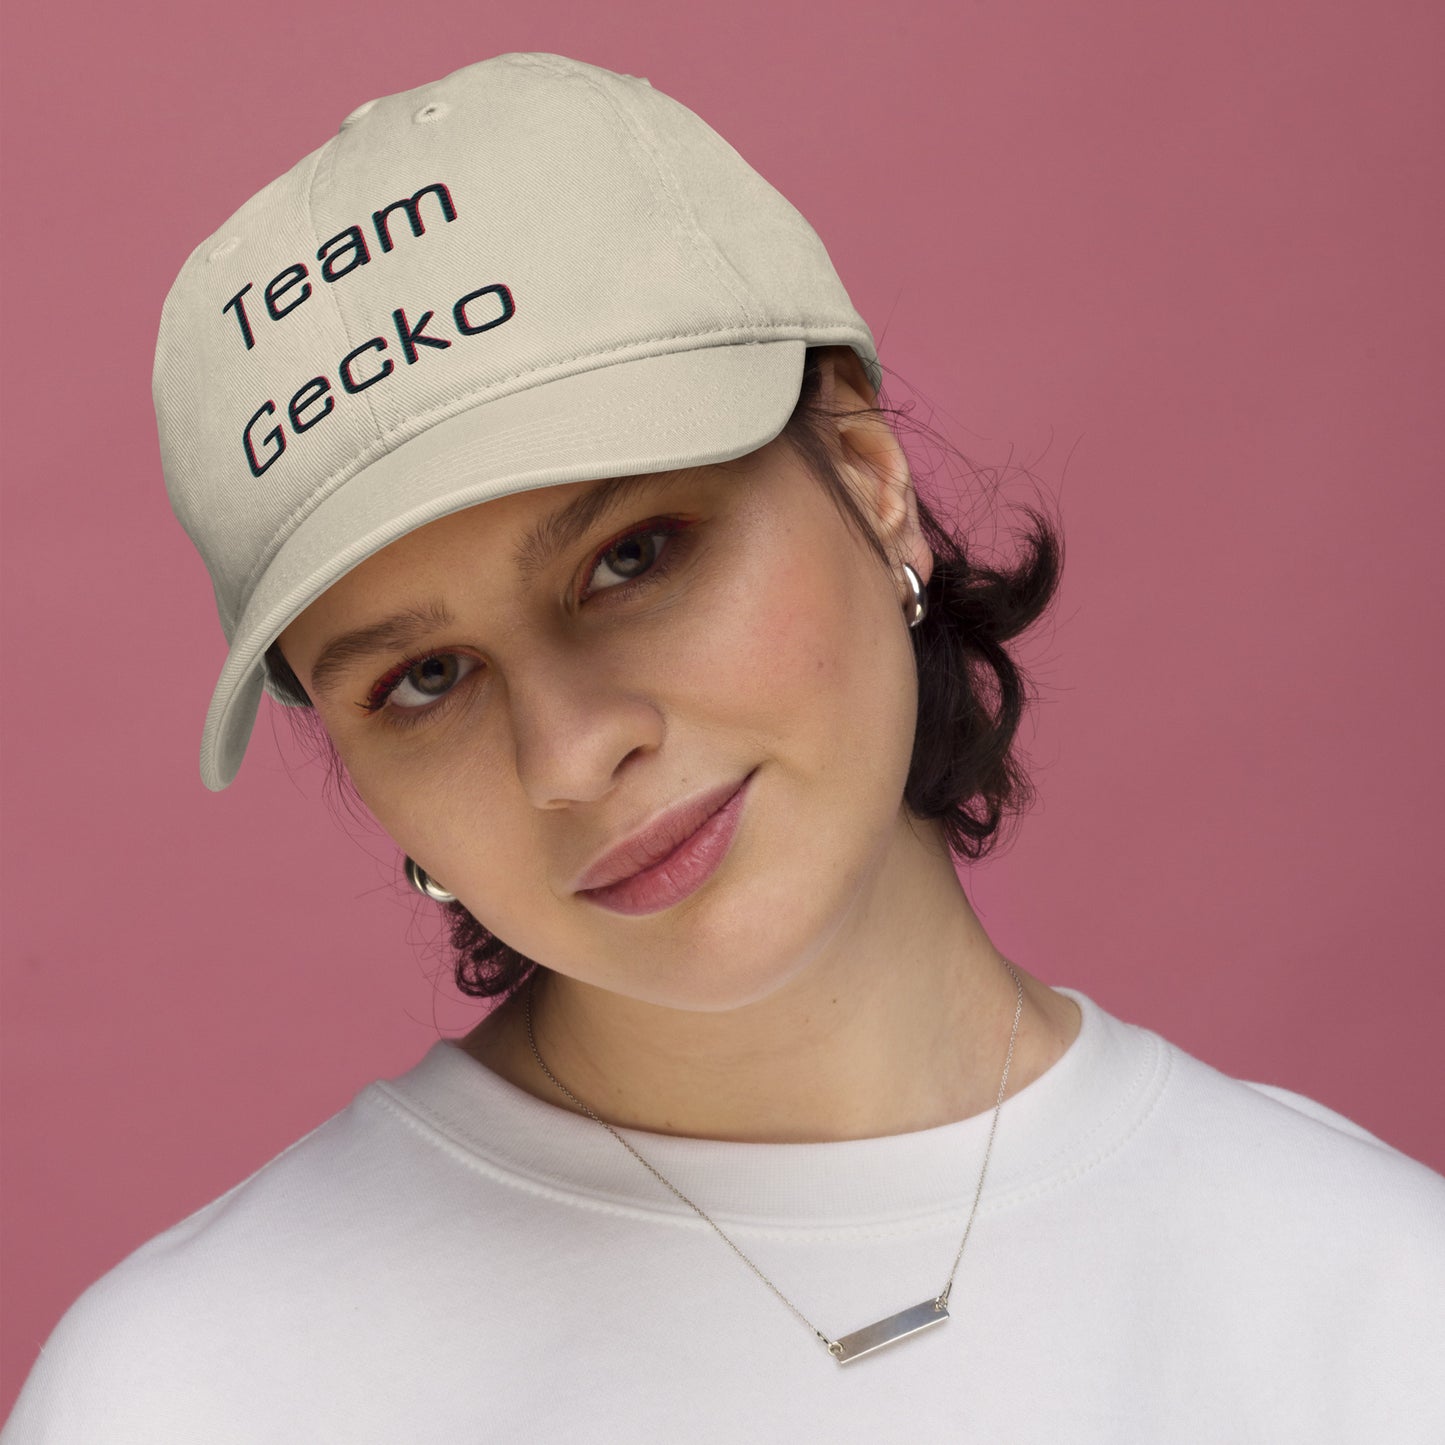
(1183, 261)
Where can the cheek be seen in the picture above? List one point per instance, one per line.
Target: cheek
(797, 657)
(477, 840)
(420, 809)
(803, 655)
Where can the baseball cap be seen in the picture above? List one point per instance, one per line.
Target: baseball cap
(532, 272)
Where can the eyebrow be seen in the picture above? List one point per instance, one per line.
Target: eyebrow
(569, 524)
(553, 534)
(392, 634)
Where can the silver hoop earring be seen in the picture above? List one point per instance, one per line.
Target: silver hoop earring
(917, 605)
(419, 880)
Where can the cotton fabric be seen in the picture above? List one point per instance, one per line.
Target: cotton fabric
(1162, 1253)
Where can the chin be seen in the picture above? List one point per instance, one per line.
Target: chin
(728, 947)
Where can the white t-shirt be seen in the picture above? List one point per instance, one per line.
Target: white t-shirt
(1162, 1254)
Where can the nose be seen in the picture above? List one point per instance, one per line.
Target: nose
(576, 724)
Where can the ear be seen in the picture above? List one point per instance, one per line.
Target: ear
(872, 460)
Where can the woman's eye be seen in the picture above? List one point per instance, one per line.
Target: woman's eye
(635, 561)
(426, 681)
(632, 557)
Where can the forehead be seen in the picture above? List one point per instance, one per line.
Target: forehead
(533, 526)
(518, 536)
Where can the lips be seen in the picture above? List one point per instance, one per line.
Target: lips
(652, 843)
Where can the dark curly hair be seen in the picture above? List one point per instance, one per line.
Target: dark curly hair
(964, 773)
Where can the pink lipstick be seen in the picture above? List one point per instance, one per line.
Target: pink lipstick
(670, 859)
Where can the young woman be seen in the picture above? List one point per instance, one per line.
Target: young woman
(535, 451)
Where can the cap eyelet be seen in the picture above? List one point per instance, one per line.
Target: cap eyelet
(432, 110)
(224, 249)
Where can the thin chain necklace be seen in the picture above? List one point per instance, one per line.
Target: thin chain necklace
(883, 1332)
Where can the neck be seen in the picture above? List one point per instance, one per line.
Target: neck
(902, 1023)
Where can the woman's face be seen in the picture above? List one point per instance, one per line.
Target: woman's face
(528, 713)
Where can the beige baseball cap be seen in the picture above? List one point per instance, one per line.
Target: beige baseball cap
(529, 273)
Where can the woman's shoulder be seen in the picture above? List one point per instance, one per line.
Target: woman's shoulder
(1188, 1149)
(1307, 1123)
(236, 1279)
(1242, 1144)
(1261, 1213)
(1313, 1109)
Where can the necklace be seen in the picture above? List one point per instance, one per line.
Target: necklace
(882, 1332)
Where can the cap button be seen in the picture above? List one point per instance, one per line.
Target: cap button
(357, 114)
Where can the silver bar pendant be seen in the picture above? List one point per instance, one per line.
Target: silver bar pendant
(886, 1332)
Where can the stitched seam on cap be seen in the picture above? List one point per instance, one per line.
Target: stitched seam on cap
(229, 620)
(659, 183)
(724, 272)
(678, 418)
(328, 153)
(645, 163)
(464, 401)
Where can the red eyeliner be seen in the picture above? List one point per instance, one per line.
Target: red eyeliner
(386, 684)
(673, 527)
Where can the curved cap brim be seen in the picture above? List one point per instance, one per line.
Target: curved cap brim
(648, 414)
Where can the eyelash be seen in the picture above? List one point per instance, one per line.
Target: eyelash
(675, 529)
